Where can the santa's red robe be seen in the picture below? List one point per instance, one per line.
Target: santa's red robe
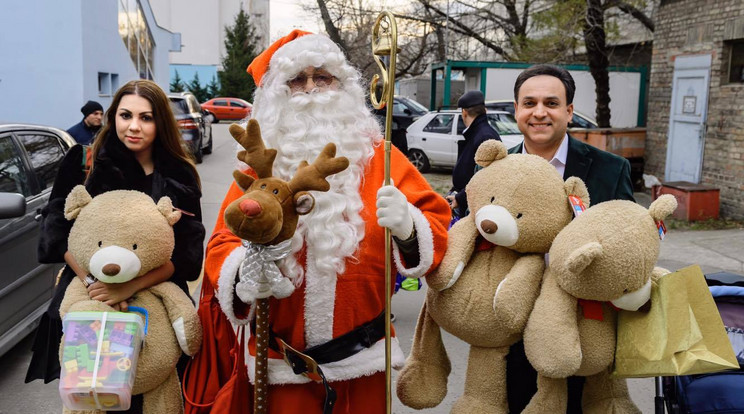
(321, 308)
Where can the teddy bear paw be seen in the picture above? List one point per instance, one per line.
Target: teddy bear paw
(421, 386)
(618, 405)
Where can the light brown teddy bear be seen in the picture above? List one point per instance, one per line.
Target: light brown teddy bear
(486, 285)
(602, 261)
(115, 246)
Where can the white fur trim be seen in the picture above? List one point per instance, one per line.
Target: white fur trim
(310, 50)
(320, 302)
(425, 242)
(226, 284)
(365, 362)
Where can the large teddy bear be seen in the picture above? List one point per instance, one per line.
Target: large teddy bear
(489, 278)
(602, 261)
(120, 235)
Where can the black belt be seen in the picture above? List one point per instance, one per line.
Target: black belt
(307, 362)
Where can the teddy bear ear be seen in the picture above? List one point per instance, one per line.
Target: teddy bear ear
(165, 206)
(663, 207)
(75, 201)
(575, 186)
(583, 256)
(490, 151)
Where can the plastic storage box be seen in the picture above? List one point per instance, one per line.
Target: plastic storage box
(99, 358)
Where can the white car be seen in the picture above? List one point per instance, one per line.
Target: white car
(433, 138)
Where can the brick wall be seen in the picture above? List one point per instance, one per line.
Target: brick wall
(689, 27)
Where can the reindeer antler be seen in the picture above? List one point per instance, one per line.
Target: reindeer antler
(313, 177)
(255, 154)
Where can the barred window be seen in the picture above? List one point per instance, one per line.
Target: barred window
(136, 36)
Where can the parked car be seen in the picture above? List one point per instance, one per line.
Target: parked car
(30, 156)
(433, 138)
(578, 120)
(228, 108)
(405, 112)
(194, 122)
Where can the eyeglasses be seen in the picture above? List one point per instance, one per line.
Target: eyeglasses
(320, 79)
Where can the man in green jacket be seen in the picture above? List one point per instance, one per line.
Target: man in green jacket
(543, 106)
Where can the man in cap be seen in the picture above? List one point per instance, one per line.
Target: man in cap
(308, 95)
(85, 130)
(477, 130)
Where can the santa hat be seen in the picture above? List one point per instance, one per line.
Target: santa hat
(296, 51)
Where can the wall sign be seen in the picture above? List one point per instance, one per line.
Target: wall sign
(688, 104)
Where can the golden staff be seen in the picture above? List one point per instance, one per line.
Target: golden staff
(385, 43)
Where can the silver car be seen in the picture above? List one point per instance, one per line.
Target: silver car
(29, 159)
(432, 139)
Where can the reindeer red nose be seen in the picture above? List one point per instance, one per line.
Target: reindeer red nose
(250, 207)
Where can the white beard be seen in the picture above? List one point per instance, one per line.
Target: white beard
(299, 127)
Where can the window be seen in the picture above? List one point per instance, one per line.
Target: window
(736, 62)
(45, 153)
(400, 109)
(13, 177)
(104, 84)
(221, 102)
(441, 124)
(135, 33)
(238, 104)
(503, 124)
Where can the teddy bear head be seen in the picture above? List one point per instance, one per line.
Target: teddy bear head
(120, 235)
(519, 200)
(608, 253)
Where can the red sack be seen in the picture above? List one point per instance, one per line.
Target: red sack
(216, 379)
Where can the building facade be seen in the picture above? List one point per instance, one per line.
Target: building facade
(696, 104)
(56, 55)
(202, 28)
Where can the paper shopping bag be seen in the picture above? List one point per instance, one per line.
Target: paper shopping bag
(682, 334)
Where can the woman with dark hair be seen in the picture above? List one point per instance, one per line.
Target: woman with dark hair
(138, 148)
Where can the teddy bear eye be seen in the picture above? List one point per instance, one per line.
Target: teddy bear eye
(134, 246)
(519, 215)
(100, 244)
(493, 198)
(276, 191)
(263, 186)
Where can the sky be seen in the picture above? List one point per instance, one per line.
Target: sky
(287, 15)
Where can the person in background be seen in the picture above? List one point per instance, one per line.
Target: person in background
(139, 148)
(477, 130)
(543, 103)
(84, 131)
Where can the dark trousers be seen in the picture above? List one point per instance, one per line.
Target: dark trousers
(521, 382)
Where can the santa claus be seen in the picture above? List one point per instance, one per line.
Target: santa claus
(308, 95)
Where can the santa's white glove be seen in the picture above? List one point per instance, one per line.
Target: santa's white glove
(392, 212)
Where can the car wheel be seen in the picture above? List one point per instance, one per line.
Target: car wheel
(419, 160)
(208, 148)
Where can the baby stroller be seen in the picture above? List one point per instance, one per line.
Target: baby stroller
(720, 392)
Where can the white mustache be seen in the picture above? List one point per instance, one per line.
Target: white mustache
(314, 97)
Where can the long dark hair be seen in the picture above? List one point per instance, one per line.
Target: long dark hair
(168, 137)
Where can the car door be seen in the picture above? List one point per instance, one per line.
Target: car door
(438, 140)
(28, 165)
(221, 109)
(238, 110)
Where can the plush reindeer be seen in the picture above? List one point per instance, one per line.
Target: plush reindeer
(265, 217)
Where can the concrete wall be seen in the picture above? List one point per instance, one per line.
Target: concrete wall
(52, 52)
(685, 27)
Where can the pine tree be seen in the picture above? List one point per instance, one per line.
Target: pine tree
(213, 88)
(240, 51)
(176, 84)
(200, 92)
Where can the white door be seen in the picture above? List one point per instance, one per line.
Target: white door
(687, 118)
(438, 139)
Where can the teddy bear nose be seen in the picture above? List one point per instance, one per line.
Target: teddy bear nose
(489, 227)
(111, 269)
(250, 207)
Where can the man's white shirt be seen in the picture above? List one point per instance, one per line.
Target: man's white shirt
(559, 158)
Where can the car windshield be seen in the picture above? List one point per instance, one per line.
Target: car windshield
(417, 107)
(179, 106)
(504, 124)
